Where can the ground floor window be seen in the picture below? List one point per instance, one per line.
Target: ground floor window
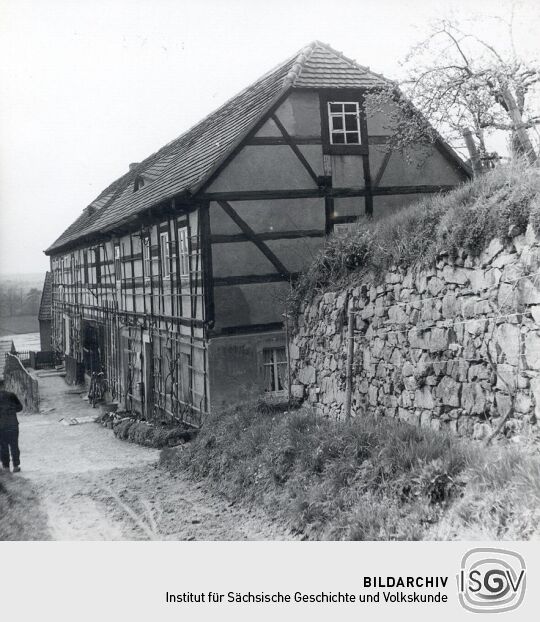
(275, 369)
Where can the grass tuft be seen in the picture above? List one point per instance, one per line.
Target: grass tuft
(367, 478)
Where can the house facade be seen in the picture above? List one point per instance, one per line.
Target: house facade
(45, 315)
(173, 280)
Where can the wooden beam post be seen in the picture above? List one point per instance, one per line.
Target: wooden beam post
(349, 371)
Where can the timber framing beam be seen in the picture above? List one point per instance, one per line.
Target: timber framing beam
(246, 329)
(253, 237)
(277, 140)
(295, 149)
(253, 279)
(271, 235)
(381, 170)
(336, 193)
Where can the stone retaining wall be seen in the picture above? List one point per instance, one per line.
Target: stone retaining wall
(22, 383)
(457, 345)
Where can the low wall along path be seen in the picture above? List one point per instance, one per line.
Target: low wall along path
(454, 346)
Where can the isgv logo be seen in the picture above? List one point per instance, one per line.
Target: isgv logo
(491, 580)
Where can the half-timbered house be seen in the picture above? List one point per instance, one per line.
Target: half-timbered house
(173, 279)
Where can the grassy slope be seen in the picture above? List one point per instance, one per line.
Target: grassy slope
(365, 479)
(21, 516)
(466, 219)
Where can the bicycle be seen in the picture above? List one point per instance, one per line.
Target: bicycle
(98, 386)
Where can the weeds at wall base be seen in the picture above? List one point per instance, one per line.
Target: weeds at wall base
(366, 479)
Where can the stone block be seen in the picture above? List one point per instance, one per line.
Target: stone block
(494, 248)
(424, 399)
(410, 383)
(473, 399)
(448, 391)
(535, 390)
(532, 350)
(506, 377)
(439, 339)
(450, 305)
(307, 375)
(503, 403)
(508, 337)
(503, 260)
(435, 286)
(425, 418)
(529, 291)
(297, 391)
(459, 276)
(408, 369)
(523, 402)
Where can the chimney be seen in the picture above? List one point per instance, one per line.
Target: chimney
(133, 165)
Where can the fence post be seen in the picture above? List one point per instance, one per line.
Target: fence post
(350, 353)
(288, 352)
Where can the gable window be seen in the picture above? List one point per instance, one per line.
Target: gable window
(183, 251)
(147, 261)
(344, 123)
(139, 183)
(275, 369)
(165, 255)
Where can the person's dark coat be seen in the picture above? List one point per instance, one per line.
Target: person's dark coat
(9, 407)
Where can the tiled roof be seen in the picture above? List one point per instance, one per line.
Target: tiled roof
(183, 165)
(45, 306)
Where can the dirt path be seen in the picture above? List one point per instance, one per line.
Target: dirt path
(94, 487)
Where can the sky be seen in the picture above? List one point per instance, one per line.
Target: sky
(88, 86)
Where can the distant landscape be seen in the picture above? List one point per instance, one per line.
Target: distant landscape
(20, 295)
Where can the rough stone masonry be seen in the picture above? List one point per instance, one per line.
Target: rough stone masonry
(456, 345)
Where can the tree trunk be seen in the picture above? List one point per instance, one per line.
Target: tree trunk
(521, 132)
(473, 152)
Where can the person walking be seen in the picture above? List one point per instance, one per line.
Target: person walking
(9, 429)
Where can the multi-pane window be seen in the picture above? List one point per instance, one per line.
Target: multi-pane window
(117, 263)
(183, 251)
(97, 260)
(147, 260)
(344, 123)
(165, 255)
(275, 369)
(85, 267)
(73, 272)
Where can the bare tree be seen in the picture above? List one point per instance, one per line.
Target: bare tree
(463, 84)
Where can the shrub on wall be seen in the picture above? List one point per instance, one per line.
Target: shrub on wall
(499, 204)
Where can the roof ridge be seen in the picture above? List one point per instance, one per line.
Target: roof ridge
(351, 61)
(302, 56)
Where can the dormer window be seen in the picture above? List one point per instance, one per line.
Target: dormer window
(139, 183)
(344, 123)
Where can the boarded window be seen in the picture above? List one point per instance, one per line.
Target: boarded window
(275, 369)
